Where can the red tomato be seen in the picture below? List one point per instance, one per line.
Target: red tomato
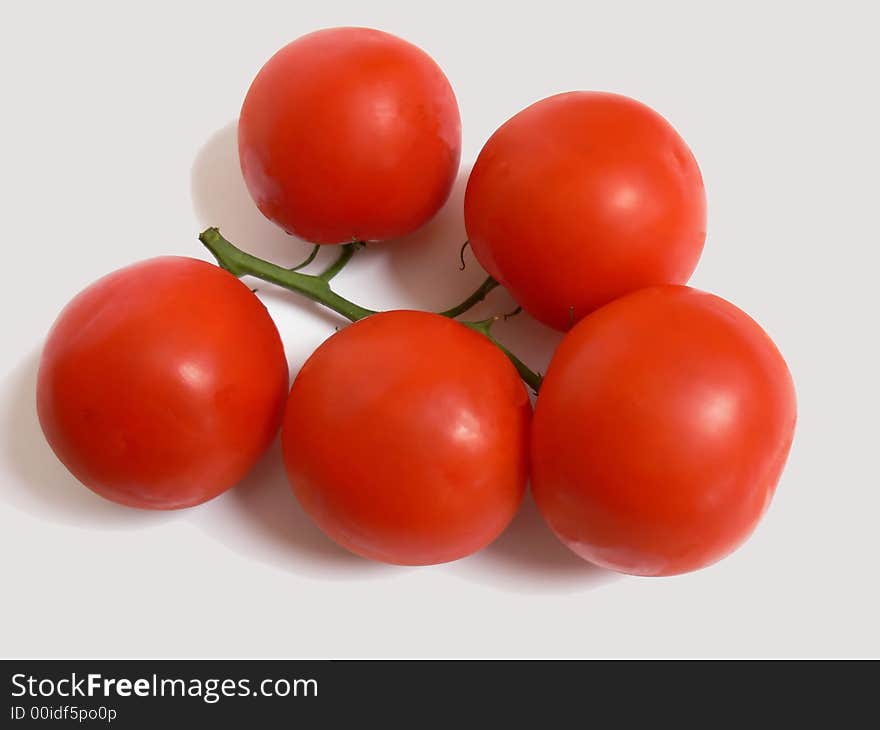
(661, 429)
(405, 438)
(349, 133)
(581, 198)
(162, 383)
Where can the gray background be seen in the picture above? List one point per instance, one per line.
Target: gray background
(118, 144)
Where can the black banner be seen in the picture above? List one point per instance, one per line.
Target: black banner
(266, 693)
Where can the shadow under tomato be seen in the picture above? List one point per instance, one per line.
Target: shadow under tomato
(43, 487)
(262, 520)
(528, 558)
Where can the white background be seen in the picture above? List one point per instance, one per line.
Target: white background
(118, 144)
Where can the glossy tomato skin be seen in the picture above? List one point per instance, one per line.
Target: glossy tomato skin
(349, 133)
(660, 432)
(406, 438)
(161, 384)
(581, 198)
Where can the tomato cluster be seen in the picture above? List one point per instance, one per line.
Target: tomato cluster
(660, 429)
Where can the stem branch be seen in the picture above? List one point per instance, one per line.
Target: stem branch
(529, 376)
(316, 288)
(478, 296)
(309, 259)
(348, 250)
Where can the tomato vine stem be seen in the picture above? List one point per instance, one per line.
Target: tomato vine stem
(316, 287)
(478, 296)
(348, 250)
(309, 258)
(484, 327)
(461, 255)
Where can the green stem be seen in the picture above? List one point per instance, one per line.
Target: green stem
(316, 288)
(478, 296)
(348, 250)
(309, 259)
(529, 376)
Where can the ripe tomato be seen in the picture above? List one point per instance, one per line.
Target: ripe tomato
(406, 437)
(660, 432)
(349, 133)
(581, 198)
(162, 383)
